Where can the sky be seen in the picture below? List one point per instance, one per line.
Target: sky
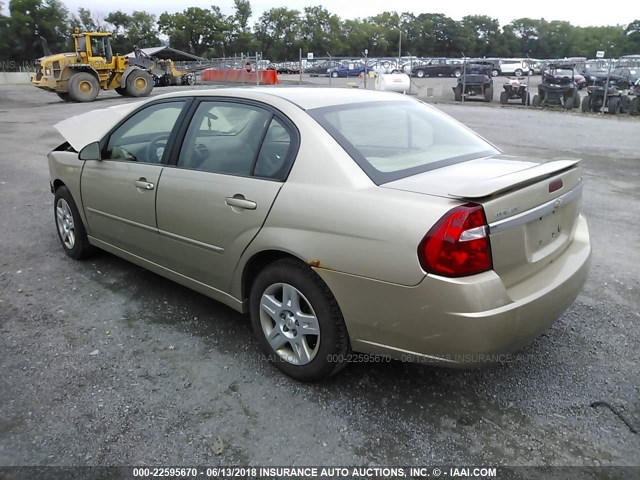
(585, 15)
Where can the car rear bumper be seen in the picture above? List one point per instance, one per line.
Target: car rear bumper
(460, 321)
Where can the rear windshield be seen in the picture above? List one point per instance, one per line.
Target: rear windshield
(393, 140)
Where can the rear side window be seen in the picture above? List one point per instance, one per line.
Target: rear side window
(392, 140)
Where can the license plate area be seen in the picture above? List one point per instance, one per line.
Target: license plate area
(549, 233)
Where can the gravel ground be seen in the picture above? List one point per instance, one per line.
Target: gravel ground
(103, 363)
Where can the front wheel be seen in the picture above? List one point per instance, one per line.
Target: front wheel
(457, 73)
(71, 231)
(297, 321)
(420, 73)
(83, 87)
(518, 72)
(334, 74)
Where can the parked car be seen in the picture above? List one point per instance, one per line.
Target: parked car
(515, 66)
(341, 220)
(438, 67)
(320, 68)
(348, 70)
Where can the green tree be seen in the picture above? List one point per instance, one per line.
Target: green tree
(241, 39)
(196, 30)
(278, 32)
(132, 30)
(483, 35)
(320, 31)
(30, 19)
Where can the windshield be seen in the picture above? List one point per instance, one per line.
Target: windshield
(392, 140)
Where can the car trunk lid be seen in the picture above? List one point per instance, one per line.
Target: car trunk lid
(531, 207)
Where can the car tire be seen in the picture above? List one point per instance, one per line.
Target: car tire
(457, 93)
(634, 106)
(518, 72)
(334, 74)
(526, 99)
(139, 84)
(536, 101)
(277, 322)
(83, 87)
(495, 72)
(568, 102)
(586, 104)
(504, 98)
(457, 73)
(420, 73)
(613, 105)
(69, 226)
(625, 103)
(576, 100)
(488, 94)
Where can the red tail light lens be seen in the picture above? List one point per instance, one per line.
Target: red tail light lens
(458, 244)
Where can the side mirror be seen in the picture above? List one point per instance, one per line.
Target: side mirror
(91, 152)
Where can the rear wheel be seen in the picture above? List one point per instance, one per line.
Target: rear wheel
(420, 73)
(634, 106)
(488, 94)
(568, 102)
(139, 84)
(536, 101)
(586, 104)
(495, 72)
(297, 321)
(457, 93)
(83, 87)
(457, 73)
(504, 98)
(613, 105)
(334, 74)
(625, 103)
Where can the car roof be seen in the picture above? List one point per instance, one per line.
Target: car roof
(304, 97)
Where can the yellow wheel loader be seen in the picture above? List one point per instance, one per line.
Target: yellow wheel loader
(79, 76)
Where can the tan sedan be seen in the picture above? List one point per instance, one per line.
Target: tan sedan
(342, 221)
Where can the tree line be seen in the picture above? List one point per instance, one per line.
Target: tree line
(280, 32)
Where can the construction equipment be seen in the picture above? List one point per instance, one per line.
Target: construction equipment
(79, 76)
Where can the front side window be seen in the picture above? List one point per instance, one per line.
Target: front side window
(143, 137)
(392, 140)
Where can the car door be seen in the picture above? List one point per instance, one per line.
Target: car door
(119, 191)
(215, 199)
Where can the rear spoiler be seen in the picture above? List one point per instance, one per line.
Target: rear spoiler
(513, 180)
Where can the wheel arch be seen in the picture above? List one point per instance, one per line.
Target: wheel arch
(256, 263)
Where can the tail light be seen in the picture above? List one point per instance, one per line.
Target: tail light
(458, 244)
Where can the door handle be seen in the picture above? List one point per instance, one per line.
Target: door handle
(239, 201)
(143, 184)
